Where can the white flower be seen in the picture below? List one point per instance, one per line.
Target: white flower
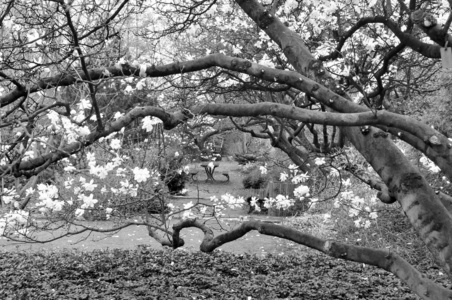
(300, 178)
(149, 122)
(29, 191)
(90, 186)
(353, 212)
(263, 170)
(115, 144)
(188, 205)
(8, 198)
(108, 211)
(176, 154)
(88, 201)
(373, 215)
(334, 172)
(141, 175)
(203, 209)
(84, 104)
(357, 222)
(79, 213)
(171, 206)
(283, 177)
(118, 115)
(319, 161)
(367, 224)
(301, 191)
(346, 182)
(69, 169)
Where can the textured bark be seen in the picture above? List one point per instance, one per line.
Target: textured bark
(384, 259)
(424, 210)
(432, 143)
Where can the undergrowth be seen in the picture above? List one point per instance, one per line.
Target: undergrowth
(151, 274)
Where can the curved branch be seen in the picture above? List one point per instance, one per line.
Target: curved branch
(428, 50)
(169, 121)
(437, 145)
(384, 259)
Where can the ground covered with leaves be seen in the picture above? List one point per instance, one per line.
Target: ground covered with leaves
(151, 274)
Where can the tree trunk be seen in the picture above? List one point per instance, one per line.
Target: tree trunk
(419, 202)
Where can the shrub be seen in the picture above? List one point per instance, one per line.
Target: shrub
(138, 274)
(255, 180)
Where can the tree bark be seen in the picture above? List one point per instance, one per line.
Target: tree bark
(423, 208)
(384, 259)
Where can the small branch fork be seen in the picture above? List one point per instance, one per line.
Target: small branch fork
(383, 259)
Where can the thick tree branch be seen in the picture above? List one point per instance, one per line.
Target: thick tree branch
(383, 259)
(438, 147)
(419, 202)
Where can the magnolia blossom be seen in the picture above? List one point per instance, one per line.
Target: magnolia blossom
(334, 172)
(149, 122)
(353, 212)
(115, 144)
(29, 191)
(357, 222)
(301, 191)
(283, 176)
(253, 203)
(121, 172)
(90, 186)
(141, 175)
(187, 210)
(203, 209)
(79, 213)
(88, 201)
(300, 178)
(108, 211)
(98, 171)
(118, 115)
(12, 220)
(171, 206)
(283, 201)
(84, 104)
(69, 169)
(9, 195)
(319, 161)
(346, 182)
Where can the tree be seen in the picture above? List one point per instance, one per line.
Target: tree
(376, 53)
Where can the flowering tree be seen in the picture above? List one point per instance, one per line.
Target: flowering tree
(299, 70)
